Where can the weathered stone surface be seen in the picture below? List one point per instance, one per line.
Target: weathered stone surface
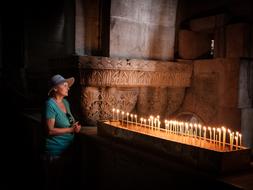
(159, 101)
(202, 97)
(246, 84)
(213, 95)
(193, 44)
(247, 129)
(146, 33)
(208, 23)
(111, 83)
(227, 74)
(97, 103)
(102, 71)
(230, 117)
(239, 46)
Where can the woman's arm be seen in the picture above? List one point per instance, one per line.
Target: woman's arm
(57, 131)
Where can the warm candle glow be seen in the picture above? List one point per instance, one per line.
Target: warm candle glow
(240, 139)
(200, 129)
(113, 110)
(190, 133)
(204, 129)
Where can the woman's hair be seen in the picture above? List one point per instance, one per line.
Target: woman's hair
(52, 93)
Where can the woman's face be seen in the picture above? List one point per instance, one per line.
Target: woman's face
(62, 89)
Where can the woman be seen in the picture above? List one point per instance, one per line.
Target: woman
(60, 128)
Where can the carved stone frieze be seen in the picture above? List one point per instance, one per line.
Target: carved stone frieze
(102, 71)
(146, 87)
(97, 102)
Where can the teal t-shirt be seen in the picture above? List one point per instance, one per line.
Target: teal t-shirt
(56, 144)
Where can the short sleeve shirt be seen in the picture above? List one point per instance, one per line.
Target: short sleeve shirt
(56, 144)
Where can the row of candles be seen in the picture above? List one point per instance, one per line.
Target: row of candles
(211, 134)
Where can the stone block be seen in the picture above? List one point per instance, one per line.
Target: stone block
(227, 73)
(146, 33)
(239, 40)
(246, 127)
(246, 84)
(208, 23)
(213, 95)
(193, 45)
(134, 40)
(230, 117)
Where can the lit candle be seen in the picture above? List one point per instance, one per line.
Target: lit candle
(224, 136)
(219, 133)
(176, 127)
(237, 133)
(117, 114)
(151, 118)
(113, 110)
(141, 120)
(127, 117)
(186, 129)
(131, 118)
(199, 130)
(233, 137)
(204, 128)
(166, 127)
(210, 133)
(148, 122)
(169, 124)
(191, 129)
(145, 122)
(236, 142)
(135, 116)
(214, 135)
(230, 138)
(240, 140)
(159, 123)
(195, 129)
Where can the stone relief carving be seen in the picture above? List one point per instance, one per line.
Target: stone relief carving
(134, 78)
(96, 63)
(175, 99)
(117, 83)
(97, 102)
(159, 101)
(152, 101)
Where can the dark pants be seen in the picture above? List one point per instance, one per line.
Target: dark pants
(60, 172)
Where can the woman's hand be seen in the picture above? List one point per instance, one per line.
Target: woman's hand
(76, 127)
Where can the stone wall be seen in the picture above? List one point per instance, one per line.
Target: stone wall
(213, 95)
(143, 29)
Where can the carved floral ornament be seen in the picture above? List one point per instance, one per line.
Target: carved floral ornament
(111, 83)
(97, 71)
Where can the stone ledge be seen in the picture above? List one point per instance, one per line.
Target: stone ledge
(104, 71)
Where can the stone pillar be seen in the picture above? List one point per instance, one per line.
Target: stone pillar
(245, 101)
(247, 127)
